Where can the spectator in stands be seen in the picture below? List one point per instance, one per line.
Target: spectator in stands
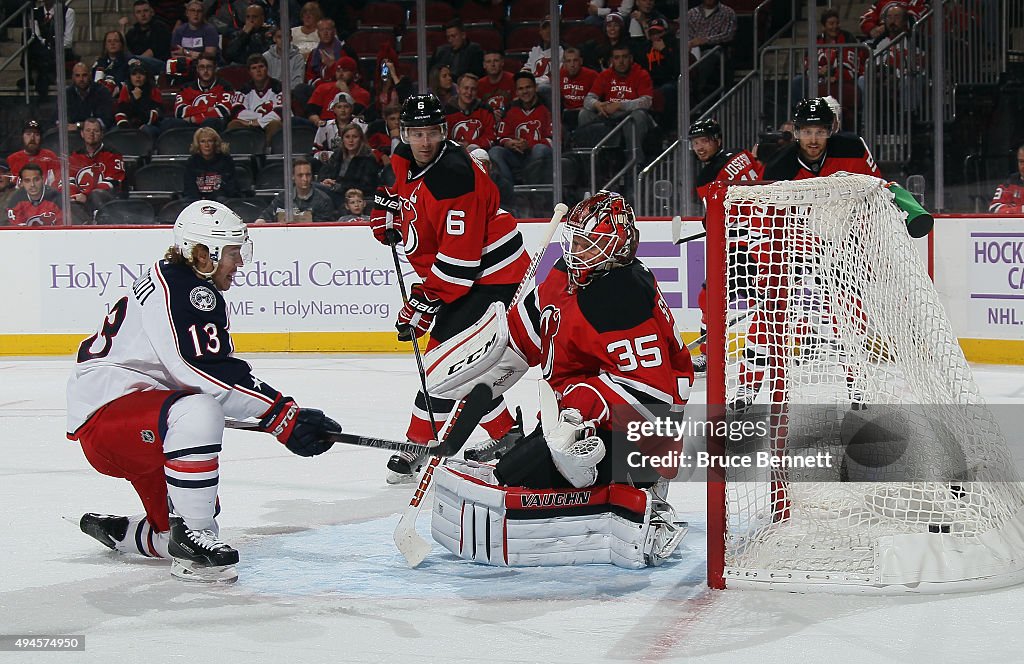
(308, 203)
(625, 90)
(872, 22)
(139, 104)
(597, 13)
(342, 79)
(260, 100)
(87, 99)
(296, 66)
(34, 204)
(97, 173)
(42, 51)
(205, 102)
(390, 88)
(470, 121)
(441, 84)
(1009, 197)
(210, 170)
(253, 38)
(8, 186)
(576, 81)
(615, 35)
(305, 36)
(899, 63)
(111, 68)
(498, 87)
(384, 135)
(196, 37)
(328, 134)
(661, 60)
(329, 50)
(711, 24)
(352, 165)
(149, 39)
(355, 207)
(460, 54)
(538, 62)
(639, 20)
(32, 152)
(837, 68)
(524, 136)
(169, 12)
(273, 10)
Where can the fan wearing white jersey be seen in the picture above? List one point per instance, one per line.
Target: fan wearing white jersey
(150, 391)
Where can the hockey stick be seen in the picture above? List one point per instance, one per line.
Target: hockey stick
(456, 432)
(415, 346)
(677, 231)
(738, 319)
(413, 547)
(350, 439)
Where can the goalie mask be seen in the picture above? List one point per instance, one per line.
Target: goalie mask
(213, 225)
(600, 234)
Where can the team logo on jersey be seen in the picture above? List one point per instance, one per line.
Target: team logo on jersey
(147, 436)
(89, 176)
(466, 130)
(409, 217)
(42, 219)
(202, 298)
(529, 129)
(550, 320)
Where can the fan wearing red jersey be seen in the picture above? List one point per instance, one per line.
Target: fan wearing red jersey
(607, 345)
(444, 208)
(719, 165)
(470, 121)
(150, 391)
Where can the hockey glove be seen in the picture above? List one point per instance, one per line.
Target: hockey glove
(386, 217)
(588, 401)
(304, 431)
(415, 317)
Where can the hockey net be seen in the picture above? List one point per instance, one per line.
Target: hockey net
(821, 312)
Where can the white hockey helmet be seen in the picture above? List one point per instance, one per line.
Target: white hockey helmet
(213, 225)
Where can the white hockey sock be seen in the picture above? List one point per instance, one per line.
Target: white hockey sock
(191, 447)
(142, 538)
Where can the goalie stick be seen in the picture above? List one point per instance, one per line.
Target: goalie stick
(350, 439)
(454, 434)
(413, 547)
(677, 231)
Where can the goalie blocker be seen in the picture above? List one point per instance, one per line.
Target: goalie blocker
(478, 519)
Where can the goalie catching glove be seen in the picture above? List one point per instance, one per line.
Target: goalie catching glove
(304, 431)
(417, 314)
(575, 448)
(386, 216)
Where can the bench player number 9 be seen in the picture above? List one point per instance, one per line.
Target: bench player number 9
(639, 352)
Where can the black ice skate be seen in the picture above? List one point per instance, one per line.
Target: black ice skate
(198, 555)
(107, 529)
(403, 466)
(700, 363)
(496, 448)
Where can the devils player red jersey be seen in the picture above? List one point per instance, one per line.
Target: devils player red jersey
(473, 127)
(216, 101)
(103, 169)
(455, 234)
(614, 338)
(534, 125)
(842, 153)
(739, 165)
(1009, 197)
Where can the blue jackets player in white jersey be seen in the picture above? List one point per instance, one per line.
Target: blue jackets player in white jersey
(150, 391)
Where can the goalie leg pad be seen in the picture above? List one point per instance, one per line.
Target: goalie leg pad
(479, 354)
(477, 519)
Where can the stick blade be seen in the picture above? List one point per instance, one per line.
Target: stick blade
(677, 229)
(412, 547)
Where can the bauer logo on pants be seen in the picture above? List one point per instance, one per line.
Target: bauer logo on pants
(202, 298)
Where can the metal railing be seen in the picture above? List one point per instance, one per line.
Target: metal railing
(593, 152)
(24, 13)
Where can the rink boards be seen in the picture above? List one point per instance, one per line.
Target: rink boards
(333, 288)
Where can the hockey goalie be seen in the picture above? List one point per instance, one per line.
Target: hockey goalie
(599, 328)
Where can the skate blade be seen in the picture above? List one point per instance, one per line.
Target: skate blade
(195, 573)
(678, 530)
(394, 478)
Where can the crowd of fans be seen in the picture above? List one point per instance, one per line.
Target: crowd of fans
(222, 63)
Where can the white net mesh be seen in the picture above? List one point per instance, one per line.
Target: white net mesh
(834, 316)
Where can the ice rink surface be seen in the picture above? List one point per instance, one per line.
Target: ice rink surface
(321, 581)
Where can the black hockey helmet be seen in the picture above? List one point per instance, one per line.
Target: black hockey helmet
(815, 111)
(421, 111)
(706, 127)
